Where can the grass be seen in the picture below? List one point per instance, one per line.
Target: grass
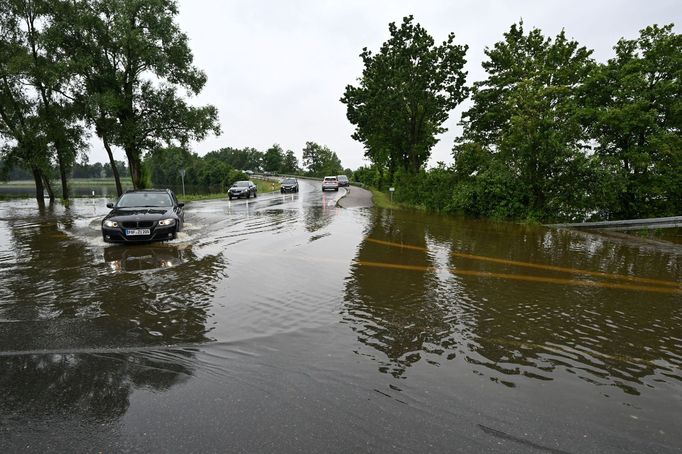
(264, 186)
(383, 200)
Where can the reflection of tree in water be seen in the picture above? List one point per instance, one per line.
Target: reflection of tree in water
(395, 312)
(60, 296)
(604, 336)
(318, 217)
(516, 330)
(164, 301)
(85, 387)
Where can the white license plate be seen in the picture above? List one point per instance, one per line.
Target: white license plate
(131, 232)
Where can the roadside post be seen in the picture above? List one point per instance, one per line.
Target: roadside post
(182, 175)
(391, 190)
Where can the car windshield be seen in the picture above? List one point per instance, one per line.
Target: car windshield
(144, 199)
(288, 181)
(241, 184)
(342, 178)
(329, 178)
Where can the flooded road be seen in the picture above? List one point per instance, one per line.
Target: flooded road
(286, 324)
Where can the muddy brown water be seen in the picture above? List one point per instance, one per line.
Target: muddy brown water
(287, 324)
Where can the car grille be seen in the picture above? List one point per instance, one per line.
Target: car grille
(137, 224)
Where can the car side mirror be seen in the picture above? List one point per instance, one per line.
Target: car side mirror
(181, 204)
(110, 205)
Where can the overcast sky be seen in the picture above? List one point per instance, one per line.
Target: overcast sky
(276, 69)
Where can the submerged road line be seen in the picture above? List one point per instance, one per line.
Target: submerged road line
(535, 265)
(524, 277)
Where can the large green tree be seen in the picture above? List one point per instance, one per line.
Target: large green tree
(290, 163)
(243, 159)
(404, 96)
(635, 116)
(136, 69)
(522, 151)
(320, 160)
(43, 76)
(273, 159)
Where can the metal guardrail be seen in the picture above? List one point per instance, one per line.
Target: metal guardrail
(629, 224)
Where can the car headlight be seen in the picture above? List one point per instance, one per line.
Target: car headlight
(110, 224)
(166, 222)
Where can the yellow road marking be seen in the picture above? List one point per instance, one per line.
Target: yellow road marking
(535, 265)
(527, 278)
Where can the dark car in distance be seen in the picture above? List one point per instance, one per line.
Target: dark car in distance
(242, 189)
(343, 181)
(143, 216)
(289, 185)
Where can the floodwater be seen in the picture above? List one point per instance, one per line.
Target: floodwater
(287, 324)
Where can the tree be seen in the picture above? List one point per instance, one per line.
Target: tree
(404, 96)
(24, 142)
(135, 59)
(290, 163)
(320, 160)
(36, 80)
(635, 116)
(273, 159)
(524, 127)
(244, 159)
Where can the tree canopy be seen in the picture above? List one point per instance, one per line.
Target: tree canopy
(404, 96)
(523, 138)
(320, 160)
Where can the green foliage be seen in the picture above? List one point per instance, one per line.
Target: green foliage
(116, 46)
(635, 115)
(320, 160)
(290, 163)
(209, 172)
(273, 159)
(242, 159)
(405, 95)
(522, 152)
(372, 176)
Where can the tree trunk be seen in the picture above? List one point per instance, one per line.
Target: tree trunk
(48, 187)
(135, 168)
(40, 196)
(62, 175)
(114, 170)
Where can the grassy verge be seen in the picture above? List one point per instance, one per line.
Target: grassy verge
(197, 197)
(383, 200)
(264, 186)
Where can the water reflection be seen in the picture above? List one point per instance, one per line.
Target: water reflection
(396, 312)
(89, 388)
(516, 303)
(145, 257)
(79, 301)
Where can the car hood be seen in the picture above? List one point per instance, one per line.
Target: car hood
(140, 213)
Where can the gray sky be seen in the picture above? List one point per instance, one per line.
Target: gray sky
(276, 69)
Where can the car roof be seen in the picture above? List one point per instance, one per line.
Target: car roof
(130, 191)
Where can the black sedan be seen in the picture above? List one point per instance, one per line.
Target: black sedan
(242, 189)
(143, 216)
(289, 185)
